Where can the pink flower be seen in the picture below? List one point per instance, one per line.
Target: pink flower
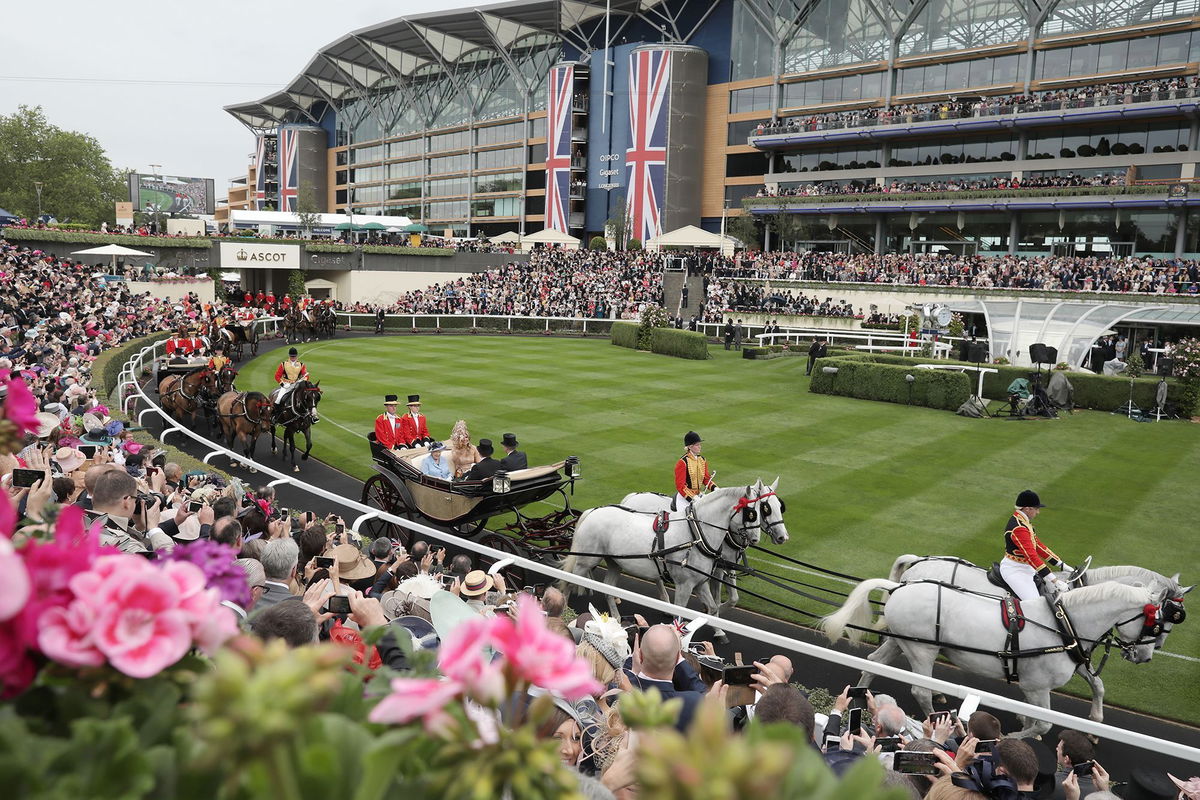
(20, 406)
(16, 667)
(140, 628)
(463, 658)
(14, 577)
(66, 635)
(540, 657)
(413, 698)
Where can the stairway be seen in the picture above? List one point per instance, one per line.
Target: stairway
(673, 283)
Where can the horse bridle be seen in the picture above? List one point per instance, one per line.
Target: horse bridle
(290, 405)
(752, 515)
(181, 387)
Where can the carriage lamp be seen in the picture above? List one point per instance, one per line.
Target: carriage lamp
(572, 466)
(501, 483)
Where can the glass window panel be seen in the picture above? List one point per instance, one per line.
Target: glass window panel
(498, 182)
(831, 90)
(964, 24)
(872, 84)
(1071, 16)
(980, 72)
(537, 128)
(910, 80)
(1083, 59)
(408, 147)
(834, 34)
(935, 78)
(1173, 47)
(751, 54)
(1143, 52)
(852, 87)
(1113, 56)
(958, 75)
(444, 164)
(1054, 63)
(537, 153)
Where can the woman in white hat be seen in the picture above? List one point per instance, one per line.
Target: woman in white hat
(68, 459)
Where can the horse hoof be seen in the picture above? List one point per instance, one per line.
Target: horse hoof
(304, 457)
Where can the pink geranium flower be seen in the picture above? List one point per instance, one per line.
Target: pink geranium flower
(16, 667)
(65, 635)
(537, 655)
(14, 577)
(140, 628)
(417, 698)
(465, 658)
(20, 406)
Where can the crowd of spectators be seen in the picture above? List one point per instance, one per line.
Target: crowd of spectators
(821, 188)
(726, 295)
(976, 106)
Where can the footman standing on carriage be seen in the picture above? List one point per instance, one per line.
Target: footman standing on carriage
(413, 430)
(387, 425)
(1026, 557)
(286, 375)
(691, 472)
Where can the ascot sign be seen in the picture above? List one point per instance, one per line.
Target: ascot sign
(262, 256)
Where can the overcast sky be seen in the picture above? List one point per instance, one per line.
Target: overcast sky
(81, 60)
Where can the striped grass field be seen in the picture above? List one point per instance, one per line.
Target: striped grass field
(864, 481)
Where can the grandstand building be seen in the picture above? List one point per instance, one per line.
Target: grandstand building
(860, 125)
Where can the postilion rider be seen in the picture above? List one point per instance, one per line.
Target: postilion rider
(218, 361)
(1025, 556)
(287, 374)
(692, 478)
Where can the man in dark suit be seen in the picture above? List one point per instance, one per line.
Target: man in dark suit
(727, 332)
(513, 459)
(487, 466)
(817, 350)
(653, 666)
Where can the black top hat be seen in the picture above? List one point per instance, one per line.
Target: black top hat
(293, 352)
(1029, 499)
(390, 399)
(1148, 784)
(218, 348)
(485, 447)
(414, 398)
(509, 440)
(691, 438)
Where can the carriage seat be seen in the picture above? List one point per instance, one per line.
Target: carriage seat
(993, 576)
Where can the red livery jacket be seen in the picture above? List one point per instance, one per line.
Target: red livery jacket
(691, 475)
(1022, 545)
(184, 346)
(412, 430)
(388, 434)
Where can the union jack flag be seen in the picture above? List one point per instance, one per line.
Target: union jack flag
(558, 150)
(260, 178)
(646, 159)
(289, 168)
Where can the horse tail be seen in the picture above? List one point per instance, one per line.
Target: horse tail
(856, 611)
(901, 564)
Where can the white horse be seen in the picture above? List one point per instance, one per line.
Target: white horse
(910, 568)
(727, 520)
(973, 621)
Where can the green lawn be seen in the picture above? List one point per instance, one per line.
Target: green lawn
(864, 481)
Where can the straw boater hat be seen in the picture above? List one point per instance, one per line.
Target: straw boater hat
(476, 583)
(46, 423)
(352, 564)
(69, 459)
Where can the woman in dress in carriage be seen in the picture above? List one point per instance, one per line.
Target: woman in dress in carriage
(463, 454)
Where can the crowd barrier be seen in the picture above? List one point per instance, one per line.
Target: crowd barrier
(146, 356)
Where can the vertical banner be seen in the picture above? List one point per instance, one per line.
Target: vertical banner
(558, 146)
(646, 158)
(260, 174)
(289, 180)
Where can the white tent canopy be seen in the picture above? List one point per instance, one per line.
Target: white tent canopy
(287, 219)
(113, 250)
(691, 236)
(549, 236)
(506, 238)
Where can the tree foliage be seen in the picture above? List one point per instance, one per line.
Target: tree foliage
(619, 224)
(745, 228)
(79, 183)
(307, 209)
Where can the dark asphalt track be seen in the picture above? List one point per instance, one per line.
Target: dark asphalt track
(1118, 759)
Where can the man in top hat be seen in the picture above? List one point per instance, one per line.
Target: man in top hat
(691, 472)
(218, 360)
(387, 424)
(287, 374)
(513, 459)
(413, 430)
(487, 466)
(1025, 556)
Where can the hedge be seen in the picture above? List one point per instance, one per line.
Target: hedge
(72, 237)
(1100, 392)
(625, 334)
(869, 380)
(681, 344)
(107, 366)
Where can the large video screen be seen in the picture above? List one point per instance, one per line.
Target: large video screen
(170, 194)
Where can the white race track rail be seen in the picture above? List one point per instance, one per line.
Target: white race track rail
(129, 387)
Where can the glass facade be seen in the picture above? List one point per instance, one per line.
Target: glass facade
(495, 159)
(755, 98)
(444, 164)
(956, 75)
(497, 207)
(954, 150)
(451, 209)
(447, 187)
(1074, 16)
(498, 182)
(858, 157)
(740, 131)
(406, 169)
(457, 140)
(1109, 140)
(498, 134)
(834, 90)
(407, 147)
(1119, 56)
(964, 25)
(835, 33)
(362, 155)
(537, 128)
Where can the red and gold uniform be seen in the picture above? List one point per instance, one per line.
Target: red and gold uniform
(389, 430)
(691, 475)
(218, 362)
(1021, 544)
(413, 429)
(184, 345)
(291, 371)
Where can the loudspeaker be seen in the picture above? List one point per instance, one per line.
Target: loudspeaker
(1041, 354)
(964, 350)
(1166, 365)
(978, 353)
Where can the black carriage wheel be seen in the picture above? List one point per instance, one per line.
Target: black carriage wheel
(469, 530)
(379, 493)
(514, 576)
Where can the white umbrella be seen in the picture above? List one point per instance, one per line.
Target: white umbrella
(113, 250)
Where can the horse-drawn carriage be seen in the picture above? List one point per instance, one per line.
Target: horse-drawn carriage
(237, 338)
(399, 487)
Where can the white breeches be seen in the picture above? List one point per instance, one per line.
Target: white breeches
(1021, 578)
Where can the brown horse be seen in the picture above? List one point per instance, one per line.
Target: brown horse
(246, 416)
(296, 326)
(188, 394)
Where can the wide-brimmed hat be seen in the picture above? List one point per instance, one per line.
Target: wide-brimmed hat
(69, 459)
(607, 636)
(436, 446)
(509, 440)
(1029, 499)
(476, 583)
(414, 400)
(422, 585)
(423, 634)
(46, 423)
(352, 564)
(1149, 784)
